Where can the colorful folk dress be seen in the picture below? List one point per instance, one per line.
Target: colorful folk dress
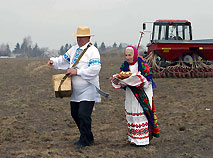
(139, 105)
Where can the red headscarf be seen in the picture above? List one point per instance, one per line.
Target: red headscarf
(135, 58)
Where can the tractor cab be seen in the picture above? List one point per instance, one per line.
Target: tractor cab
(171, 30)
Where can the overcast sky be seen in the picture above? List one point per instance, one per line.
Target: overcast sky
(50, 23)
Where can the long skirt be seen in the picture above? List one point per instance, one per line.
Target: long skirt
(137, 122)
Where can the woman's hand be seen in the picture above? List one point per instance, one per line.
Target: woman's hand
(71, 72)
(115, 81)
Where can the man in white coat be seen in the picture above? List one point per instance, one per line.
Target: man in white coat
(85, 81)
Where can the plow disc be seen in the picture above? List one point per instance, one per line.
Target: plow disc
(180, 73)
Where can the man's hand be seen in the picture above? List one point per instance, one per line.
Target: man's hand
(50, 64)
(71, 72)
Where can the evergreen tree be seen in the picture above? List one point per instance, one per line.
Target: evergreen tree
(96, 45)
(17, 49)
(114, 45)
(66, 48)
(120, 46)
(102, 47)
(70, 46)
(36, 51)
(61, 51)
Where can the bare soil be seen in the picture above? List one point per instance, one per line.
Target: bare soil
(34, 124)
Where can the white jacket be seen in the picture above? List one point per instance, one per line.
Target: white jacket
(88, 69)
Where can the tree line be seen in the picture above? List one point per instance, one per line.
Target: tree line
(26, 49)
(29, 50)
(102, 47)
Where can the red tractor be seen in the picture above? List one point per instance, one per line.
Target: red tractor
(172, 52)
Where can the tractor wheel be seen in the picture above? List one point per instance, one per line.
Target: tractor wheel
(188, 60)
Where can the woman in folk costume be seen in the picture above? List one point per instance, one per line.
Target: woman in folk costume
(139, 103)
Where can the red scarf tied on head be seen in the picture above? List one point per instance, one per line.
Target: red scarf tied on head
(135, 58)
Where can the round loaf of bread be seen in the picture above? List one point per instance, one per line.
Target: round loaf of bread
(122, 75)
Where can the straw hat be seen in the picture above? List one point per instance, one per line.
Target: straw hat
(83, 31)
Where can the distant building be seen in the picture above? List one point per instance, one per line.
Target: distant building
(48, 54)
(6, 57)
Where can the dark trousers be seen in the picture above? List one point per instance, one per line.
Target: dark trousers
(81, 113)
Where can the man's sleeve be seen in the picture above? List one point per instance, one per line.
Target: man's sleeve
(61, 62)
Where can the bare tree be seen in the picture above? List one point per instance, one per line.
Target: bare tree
(5, 50)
